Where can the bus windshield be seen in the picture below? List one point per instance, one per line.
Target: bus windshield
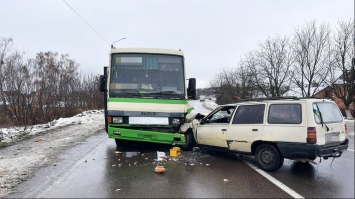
(146, 73)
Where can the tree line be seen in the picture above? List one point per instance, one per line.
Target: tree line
(38, 90)
(316, 55)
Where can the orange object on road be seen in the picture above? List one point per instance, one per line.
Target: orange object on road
(175, 151)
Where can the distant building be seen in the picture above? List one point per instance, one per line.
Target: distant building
(328, 93)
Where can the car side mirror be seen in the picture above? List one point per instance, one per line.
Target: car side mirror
(202, 121)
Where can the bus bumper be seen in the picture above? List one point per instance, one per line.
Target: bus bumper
(146, 136)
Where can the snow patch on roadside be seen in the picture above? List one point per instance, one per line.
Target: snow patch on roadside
(14, 134)
(18, 162)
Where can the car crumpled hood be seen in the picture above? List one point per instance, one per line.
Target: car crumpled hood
(197, 116)
(192, 122)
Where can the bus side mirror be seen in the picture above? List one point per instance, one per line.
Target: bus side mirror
(191, 90)
(102, 83)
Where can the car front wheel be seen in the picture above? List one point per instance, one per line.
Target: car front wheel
(268, 157)
(189, 141)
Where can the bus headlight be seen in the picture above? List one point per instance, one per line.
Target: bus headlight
(176, 121)
(117, 119)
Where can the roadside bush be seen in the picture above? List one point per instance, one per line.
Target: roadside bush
(5, 121)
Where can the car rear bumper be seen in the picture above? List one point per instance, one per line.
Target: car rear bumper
(311, 151)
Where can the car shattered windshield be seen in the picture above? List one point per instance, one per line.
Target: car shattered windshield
(145, 74)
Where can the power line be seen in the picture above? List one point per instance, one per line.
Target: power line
(86, 22)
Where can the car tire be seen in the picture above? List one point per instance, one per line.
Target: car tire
(189, 141)
(268, 157)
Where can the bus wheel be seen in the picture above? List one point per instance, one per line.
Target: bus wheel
(189, 141)
(120, 142)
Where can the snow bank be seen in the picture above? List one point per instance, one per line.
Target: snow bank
(13, 134)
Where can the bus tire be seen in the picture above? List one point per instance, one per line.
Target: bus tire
(120, 142)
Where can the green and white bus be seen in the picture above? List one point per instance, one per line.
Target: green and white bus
(146, 95)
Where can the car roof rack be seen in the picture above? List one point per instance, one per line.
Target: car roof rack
(273, 98)
(266, 98)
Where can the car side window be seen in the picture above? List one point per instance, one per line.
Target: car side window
(249, 114)
(221, 116)
(285, 114)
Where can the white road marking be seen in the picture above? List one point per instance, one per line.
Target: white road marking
(351, 150)
(273, 180)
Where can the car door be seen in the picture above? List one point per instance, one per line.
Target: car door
(246, 127)
(212, 129)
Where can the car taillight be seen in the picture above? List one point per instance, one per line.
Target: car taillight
(346, 129)
(311, 135)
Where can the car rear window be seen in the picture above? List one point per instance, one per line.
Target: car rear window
(329, 111)
(285, 114)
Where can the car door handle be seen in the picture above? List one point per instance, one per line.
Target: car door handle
(224, 129)
(254, 129)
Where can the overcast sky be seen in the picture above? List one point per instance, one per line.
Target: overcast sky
(211, 33)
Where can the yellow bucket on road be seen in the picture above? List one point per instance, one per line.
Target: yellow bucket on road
(175, 151)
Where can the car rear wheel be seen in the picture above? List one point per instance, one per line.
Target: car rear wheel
(189, 141)
(268, 157)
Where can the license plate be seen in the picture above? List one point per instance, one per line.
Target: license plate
(145, 136)
(332, 137)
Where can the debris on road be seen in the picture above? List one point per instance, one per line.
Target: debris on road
(37, 139)
(159, 169)
(161, 155)
(175, 151)
(225, 180)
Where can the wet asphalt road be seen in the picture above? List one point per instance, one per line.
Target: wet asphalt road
(94, 169)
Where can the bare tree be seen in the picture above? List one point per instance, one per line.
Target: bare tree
(342, 77)
(19, 88)
(274, 60)
(46, 84)
(269, 66)
(47, 87)
(231, 83)
(69, 84)
(5, 48)
(311, 53)
(90, 92)
(225, 84)
(246, 88)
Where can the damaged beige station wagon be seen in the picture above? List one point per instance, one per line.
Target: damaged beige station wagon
(272, 129)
